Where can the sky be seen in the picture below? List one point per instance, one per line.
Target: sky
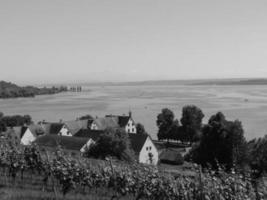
(63, 41)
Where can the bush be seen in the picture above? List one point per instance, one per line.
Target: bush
(113, 142)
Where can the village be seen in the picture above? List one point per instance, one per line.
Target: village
(77, 136)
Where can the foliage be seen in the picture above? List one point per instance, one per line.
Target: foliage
(10, 90)
(141, 182)
(222, 142)
(192, 122)
(258, 155)
(166, 124)
(16, 120)
(140, 129)
(86, 117)
(113, 142)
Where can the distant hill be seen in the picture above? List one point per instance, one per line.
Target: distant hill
(230, 81)
(233, 82)
(11, 90)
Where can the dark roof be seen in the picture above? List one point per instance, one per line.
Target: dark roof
(23, 130)
(66, 142)
(137, 141)
(170, 156)
(36, 130)
(106, 122)
(88, 133)
(123, 120)
(55, 128)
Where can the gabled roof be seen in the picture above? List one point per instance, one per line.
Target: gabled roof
(88, 133)
(123, 120)
(69, 143)
(36, 130)
(75, 126)
(106, 122)
(171, 157)
(52, 128)
(137, 141)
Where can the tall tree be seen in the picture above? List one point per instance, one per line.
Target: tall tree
(140, 129)
(192, 121)
(165, 123)
(222, 142)
(257, 155)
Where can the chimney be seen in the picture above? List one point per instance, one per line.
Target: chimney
(130, 114)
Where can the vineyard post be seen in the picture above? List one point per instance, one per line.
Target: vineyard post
(200, 183)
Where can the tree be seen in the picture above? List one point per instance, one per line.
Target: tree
(86, 117)
(140, 129)
(222, 142)
(16, 120)
(114, 143)
(165, 123)
(192, 121)
(257, 155)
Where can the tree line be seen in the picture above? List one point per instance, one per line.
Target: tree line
(220, 142)
(12, 121)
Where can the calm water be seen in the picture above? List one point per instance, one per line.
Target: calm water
(147, 101)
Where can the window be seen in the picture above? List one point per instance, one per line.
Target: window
(147, 148)
(129, 130)
(132, 129)
(150, 148)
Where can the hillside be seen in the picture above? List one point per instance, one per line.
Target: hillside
(11, 90)
(233, 82)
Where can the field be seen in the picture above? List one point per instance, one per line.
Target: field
(26, 173)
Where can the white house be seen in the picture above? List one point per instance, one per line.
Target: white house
(115, 121)
(56, 129)
(127, 123)
(30, 133)
(144, 148)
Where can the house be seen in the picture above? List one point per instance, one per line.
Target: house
(125, 122)
(28, 134)
(76, 125)
(55, 129)
(68, 128)
(115, 121)
(171, 156)
(72, 144)
(104, 123)
(143, 146)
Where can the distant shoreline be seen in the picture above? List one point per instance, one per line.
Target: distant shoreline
(233, 81)
(10, 90)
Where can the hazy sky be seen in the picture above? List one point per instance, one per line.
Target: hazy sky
(53, 41)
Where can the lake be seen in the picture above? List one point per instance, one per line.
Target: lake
(246, 103)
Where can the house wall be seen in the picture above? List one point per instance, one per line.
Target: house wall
(149, 147)
(130, 127)
(87, 145)
(65, 131)
(27, 138)
(94, 126)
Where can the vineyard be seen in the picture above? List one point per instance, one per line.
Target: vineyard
(26, 173)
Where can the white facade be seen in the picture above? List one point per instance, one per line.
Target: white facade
(27, 138)
(149, 153)
(130, 127)
(94, 126)
(65, 131)
(87, 145)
